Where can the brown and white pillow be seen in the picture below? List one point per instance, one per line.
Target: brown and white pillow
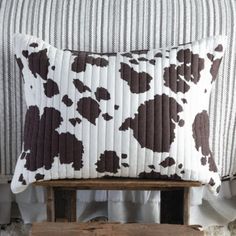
(138, 114)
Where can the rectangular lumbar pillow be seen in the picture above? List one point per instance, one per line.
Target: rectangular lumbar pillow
(138, 114)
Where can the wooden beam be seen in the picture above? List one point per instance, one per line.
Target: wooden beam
(115, 229)
(186, 206)
(119, 184)
(50, 204)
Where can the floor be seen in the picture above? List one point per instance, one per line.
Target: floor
(17, 228)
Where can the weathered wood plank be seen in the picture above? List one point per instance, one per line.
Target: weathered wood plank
(119, 184)
(71, 205)
(66, 200)
(50, 204)
(186, 206)
(114, 229)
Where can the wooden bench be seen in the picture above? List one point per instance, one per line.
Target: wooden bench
(174, 195)
(114, 229)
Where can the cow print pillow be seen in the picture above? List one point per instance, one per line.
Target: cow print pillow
(138, 114)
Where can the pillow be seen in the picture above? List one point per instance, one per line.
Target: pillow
(138, 114)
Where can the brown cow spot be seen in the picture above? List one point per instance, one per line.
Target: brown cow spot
(39, 63)
(71, 150)
(218, 189)
(25, 53)
(102, 94)
(200, 129)
(75, 121)
(157, 175)
(181, 123)
(210, 56)
(50, 88)
(38, 176)
(40, 137)
(125, 164)
(169, 161)
(184, 55)
(80, 86)
(142, 59)
(42, 140)
(22, 180)
(144, 51)
(133, 61)
(212, 182)
(173, 80)
(212, 164)
(180, 166)
(34, 45)
(89, 109)
(68, 102)
(184, 100)
(219, 48)
(23, 155)
(109, 162)
(127, 54)
(20, 64)
(176, 76)
(154, 124)
(109, 54)
(152, 61)
(138, 82)
(53, 67)
(152, 167)
(214, 68)
(159, 54)
(203, 161)
(197, 64)
(106, 116)
(116, 107)
(83, 58)
(124, 156)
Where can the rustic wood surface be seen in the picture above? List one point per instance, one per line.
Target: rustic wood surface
(174, 210)
(112, 229)
(66, 200)
(119, 184)
(50, 204)
(186, 206)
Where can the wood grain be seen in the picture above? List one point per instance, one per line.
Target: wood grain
(186, 206)
(119, 184)
(50, 204)
(114, 229)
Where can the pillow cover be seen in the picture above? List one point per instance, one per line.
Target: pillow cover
(138, 114)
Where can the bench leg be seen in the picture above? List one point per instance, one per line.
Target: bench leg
(175, 207)
(70, 209)
(50, 204)
(65, 204)
(186, 206)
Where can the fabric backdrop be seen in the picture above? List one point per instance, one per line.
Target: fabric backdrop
(117, 25)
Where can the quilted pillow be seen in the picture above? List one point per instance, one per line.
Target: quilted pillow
(138, 114)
